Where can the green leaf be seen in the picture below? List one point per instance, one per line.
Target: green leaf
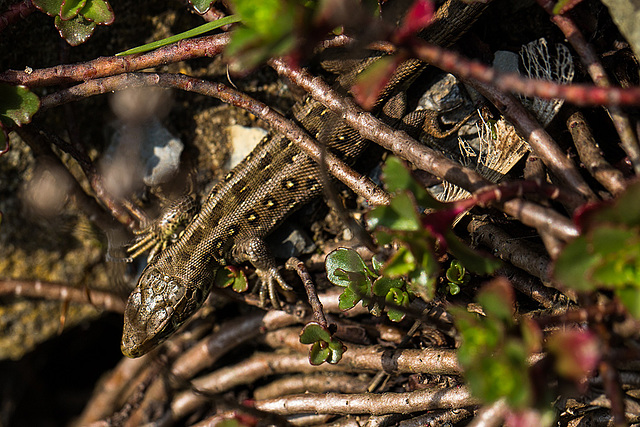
(313, 332)
(263, 16)
(342, 261)
(50, 7)
(454, 289)
(400, 263)
(400, 215)
(185, 35)
(497, 300)
(71, 8)
(472, 260)
(383, 285)
(348, 299)
(98, 11)
(397, 178)
(319, 353)
(201, 6)
(377, 265)
(422, 284)
(231, 276)
(573, 262)
(76, 30)
(630, 298)
(370, 82)
(17, 105)
(337, 348)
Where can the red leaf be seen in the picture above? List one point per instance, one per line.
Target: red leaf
(419, 16)
(371, 81)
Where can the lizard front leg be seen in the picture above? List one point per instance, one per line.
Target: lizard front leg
(255, 250)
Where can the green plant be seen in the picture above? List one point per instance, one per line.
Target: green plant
(77, 19)
(607, 253)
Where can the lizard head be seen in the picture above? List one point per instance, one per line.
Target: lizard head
(156, 308)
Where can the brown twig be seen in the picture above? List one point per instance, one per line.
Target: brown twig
(541, 142)
(589, 152)
(421, 156)
(294, 263)
(16, 11)
(208, 46)
(438, 418)
(106, 398)
(317, 383)
(360, 184)
(369, 403)
(515, 251)
(57, 291)
(599, 75)
(579, 94)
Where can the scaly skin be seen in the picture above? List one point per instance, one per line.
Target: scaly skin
(256, 196)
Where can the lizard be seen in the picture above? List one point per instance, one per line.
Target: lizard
(274, 180)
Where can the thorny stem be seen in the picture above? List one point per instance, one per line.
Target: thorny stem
(57, 291)
(599, 75)
(360, 184)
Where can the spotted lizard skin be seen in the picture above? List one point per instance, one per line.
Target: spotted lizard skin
(274, 180)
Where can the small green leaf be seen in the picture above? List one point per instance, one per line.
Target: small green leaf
(400, 215)
(342, 261)
(313, 332)
(454, 289)
(71, 8)
(50, 7)
(231, 276)
(98, 11)
(400, 263)
(630, 298)
(201, 6)
(398, 179)
(472, 260)
(185, 35)
(377, 265)
(319, 353)
(76, 30)
(348, 299)
(17, 105)
(383, 285)
(573, 262)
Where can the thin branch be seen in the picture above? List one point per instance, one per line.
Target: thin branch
(421, 156)
(208, 46)
(360, 184)
(369, 403)
(579, 94)
(591, 157)
(57, 291)
(15, 12)
(515, 251)
(317, 383)
(599, 75)
(540, 141)
(294, 263)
